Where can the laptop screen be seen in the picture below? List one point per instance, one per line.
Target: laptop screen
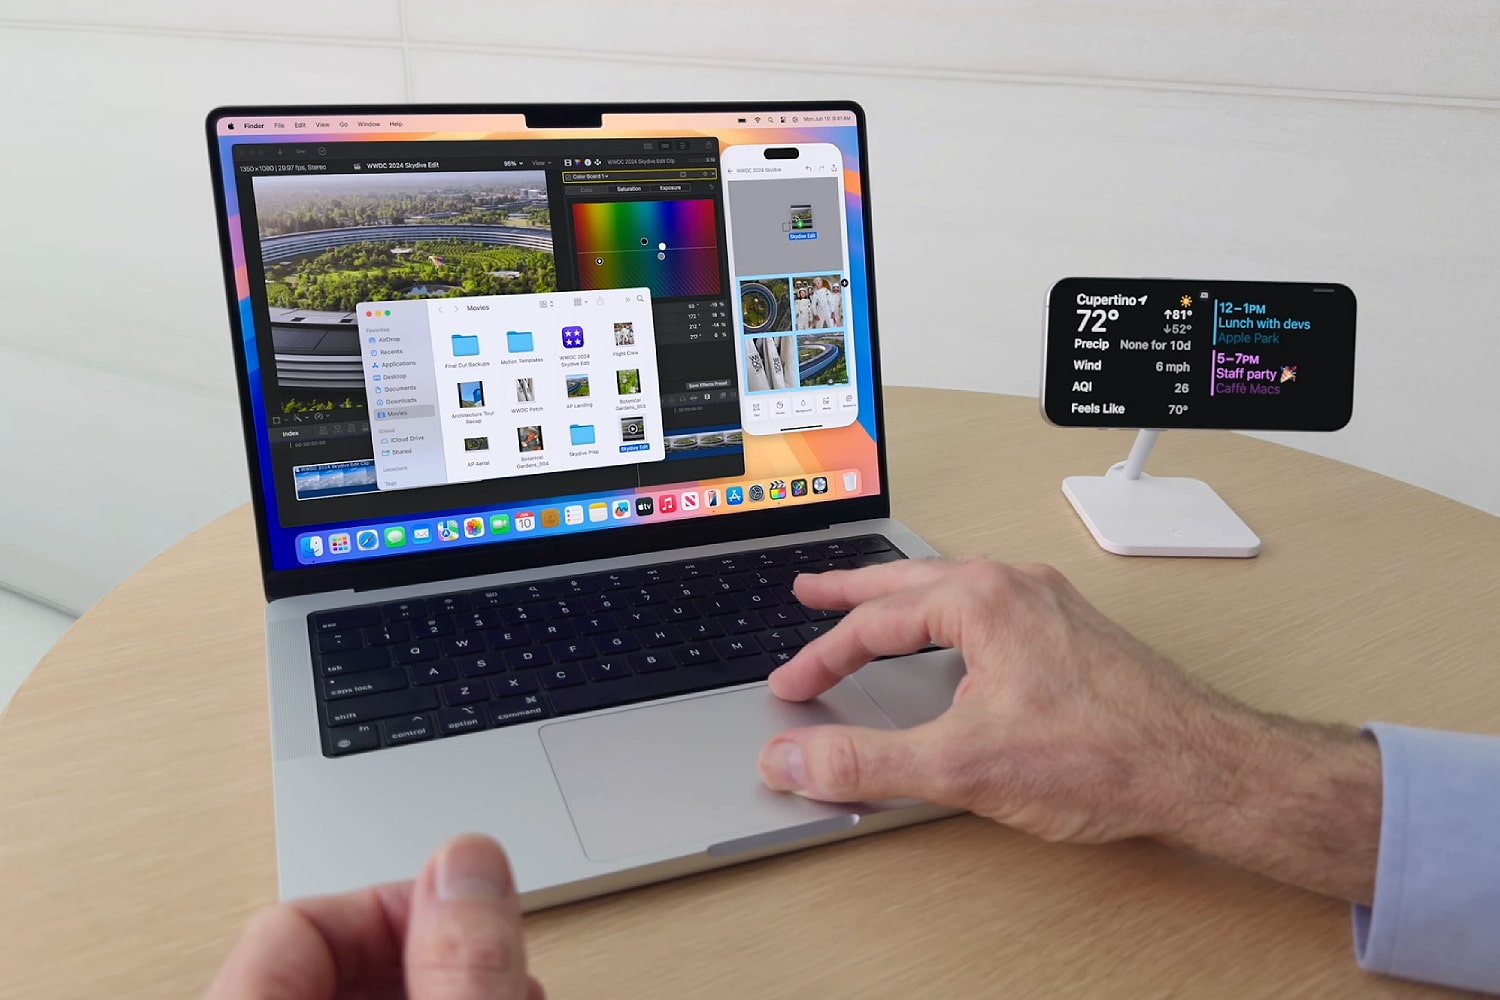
(461, 331)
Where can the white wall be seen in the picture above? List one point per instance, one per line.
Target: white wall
(1013, 143)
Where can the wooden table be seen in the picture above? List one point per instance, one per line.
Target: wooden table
(135, 781)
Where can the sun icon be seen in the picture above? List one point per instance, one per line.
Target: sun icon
(1186, 301)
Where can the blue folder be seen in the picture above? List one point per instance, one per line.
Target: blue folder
(518, 341)
(465, 347)
(581, 434)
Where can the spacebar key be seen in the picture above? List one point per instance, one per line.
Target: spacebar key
(647, 687)
(379, 706)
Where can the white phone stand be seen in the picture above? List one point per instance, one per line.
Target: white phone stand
(1133, 514)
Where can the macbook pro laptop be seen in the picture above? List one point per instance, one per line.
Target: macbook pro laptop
(545, 408)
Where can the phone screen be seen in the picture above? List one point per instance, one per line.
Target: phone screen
(789, 262)
(1230, 355)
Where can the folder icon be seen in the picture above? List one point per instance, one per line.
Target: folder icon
(465, 347)
(518, 341)
(580, 434)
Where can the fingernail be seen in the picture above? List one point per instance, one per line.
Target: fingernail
(471, 868)
(782, 766)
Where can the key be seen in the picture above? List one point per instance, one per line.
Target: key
(452, 721)
(369, 682)
(611, 644)
(412, 729)
(513, 684)
(614, 581)
(333, 664)
(525, 659)
(608, 669)
(434, 673)
(404, 610)
(479, 666)
(750, 621)
(450, 604)
(731, 649)
(346, 620)
(510, 711)
(495, 597)
(756, 600)
(596, 625)
(778, 639)
(876, 558)
(466, 692)
(558, 676)
(639, 618)
(654, 660)
(810, 631)
(353, 739)
(506, 638)
(662, 635)
(870, 544)
(552, 631)
(466, 645)
(478, 621)
(568, 652)
(695, 654)
(384, 635)
(432, 627)
(610, 600)
(521, 614)
(701, 630)
(336, 642)
(419, 651)
(706, 677)
(576, 586)
(539, 591)
(378, 706)
(784, 616)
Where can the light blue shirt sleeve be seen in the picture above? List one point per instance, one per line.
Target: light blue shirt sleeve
(1436, 916)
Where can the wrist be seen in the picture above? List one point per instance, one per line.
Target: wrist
(1297, 802)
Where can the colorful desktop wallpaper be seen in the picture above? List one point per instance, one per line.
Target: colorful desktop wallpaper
(679, 257)
(846, 456)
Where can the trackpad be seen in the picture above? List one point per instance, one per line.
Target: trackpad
(683, 774)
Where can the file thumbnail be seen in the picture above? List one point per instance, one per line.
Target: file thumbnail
(470, 395)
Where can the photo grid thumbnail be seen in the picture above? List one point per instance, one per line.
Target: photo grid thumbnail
(794, 331)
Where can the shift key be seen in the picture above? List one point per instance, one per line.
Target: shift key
(379, 706)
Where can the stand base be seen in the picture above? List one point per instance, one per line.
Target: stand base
(1153, 516)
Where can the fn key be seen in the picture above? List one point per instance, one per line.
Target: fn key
(353, 739)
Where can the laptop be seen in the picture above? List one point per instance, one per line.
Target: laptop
(545, 408)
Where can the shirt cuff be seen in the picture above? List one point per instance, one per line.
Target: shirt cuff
(1436, 915)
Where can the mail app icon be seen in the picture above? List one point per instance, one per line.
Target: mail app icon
(465, 347)
(581, 434)
(518, 341)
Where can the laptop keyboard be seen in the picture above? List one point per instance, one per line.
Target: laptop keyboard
(423, 668)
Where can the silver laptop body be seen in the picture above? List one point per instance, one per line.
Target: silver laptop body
(404, 568)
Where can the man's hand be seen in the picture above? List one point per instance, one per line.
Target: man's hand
(1069, 728)
(453, 934)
